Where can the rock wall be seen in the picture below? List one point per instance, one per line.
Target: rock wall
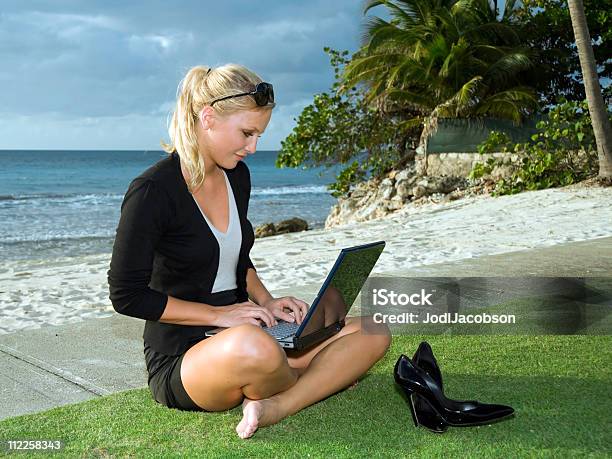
(460, 164)
(377, 198)
(437, 177)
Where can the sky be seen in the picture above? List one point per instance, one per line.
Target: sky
(78, 74)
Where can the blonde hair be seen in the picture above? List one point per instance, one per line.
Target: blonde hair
(200, 86)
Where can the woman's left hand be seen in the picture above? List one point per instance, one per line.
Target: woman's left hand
(278, 307)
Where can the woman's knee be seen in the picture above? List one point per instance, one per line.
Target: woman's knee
(252, 346)
(379, 335)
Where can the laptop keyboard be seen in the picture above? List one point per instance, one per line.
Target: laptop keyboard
(282, 329)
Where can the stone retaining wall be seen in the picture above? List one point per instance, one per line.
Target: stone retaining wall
(376, 198)
(460, 164)
(439, 176)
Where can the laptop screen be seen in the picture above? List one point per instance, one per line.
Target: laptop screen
(342, 286)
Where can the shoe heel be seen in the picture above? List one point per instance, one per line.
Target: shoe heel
(431, 418)
(412, 410)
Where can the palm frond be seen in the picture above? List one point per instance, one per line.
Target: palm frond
(451, 57)
(504, 69)
(369, 4)
(405, 15)
(412, 123)
(462, 101)
(493, 31)
(420, 100)
(511, 104)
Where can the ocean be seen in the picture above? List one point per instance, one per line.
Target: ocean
(67, 203)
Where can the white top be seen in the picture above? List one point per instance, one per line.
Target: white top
(229, 244)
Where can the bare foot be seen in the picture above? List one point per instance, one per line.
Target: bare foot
(353, 385)
(255, 414)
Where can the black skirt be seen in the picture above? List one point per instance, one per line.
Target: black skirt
(165, 370)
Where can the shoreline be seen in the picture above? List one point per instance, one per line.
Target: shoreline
(67, 290)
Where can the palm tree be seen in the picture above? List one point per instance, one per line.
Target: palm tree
(597, 109)
(443, 58)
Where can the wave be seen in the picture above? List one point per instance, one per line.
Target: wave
(55, 196)
(56, 239)
(74, 197)
(304, 189)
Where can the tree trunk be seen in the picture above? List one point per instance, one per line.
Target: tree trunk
(597, 108)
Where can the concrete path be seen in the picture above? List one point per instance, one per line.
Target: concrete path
(59, 365)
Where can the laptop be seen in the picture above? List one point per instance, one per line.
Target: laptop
(327, 312)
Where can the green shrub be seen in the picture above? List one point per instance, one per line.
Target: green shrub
(342, 129)
(562, 152)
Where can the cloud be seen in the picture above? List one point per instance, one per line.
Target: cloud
(65, 62)
(159, 44)
(35, 33)
(284, 120)
(62, 24)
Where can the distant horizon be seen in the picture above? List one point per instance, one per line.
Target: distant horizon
(101, 149)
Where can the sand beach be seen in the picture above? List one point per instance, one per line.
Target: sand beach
(37, 293)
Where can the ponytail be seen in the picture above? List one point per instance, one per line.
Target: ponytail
(200, 86)
(182, 128)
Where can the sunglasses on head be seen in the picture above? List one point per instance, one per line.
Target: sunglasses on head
(263, 95)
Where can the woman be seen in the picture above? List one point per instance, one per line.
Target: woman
(181, 262)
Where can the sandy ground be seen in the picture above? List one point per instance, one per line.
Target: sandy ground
(38, 293)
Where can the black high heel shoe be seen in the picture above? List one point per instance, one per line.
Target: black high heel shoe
(425, 360)
(424, 415)
(440, 411)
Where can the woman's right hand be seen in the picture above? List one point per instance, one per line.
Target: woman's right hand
(244, 313)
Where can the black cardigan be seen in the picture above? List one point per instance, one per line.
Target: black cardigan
(163, 246)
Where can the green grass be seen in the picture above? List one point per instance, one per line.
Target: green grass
(558, 385)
